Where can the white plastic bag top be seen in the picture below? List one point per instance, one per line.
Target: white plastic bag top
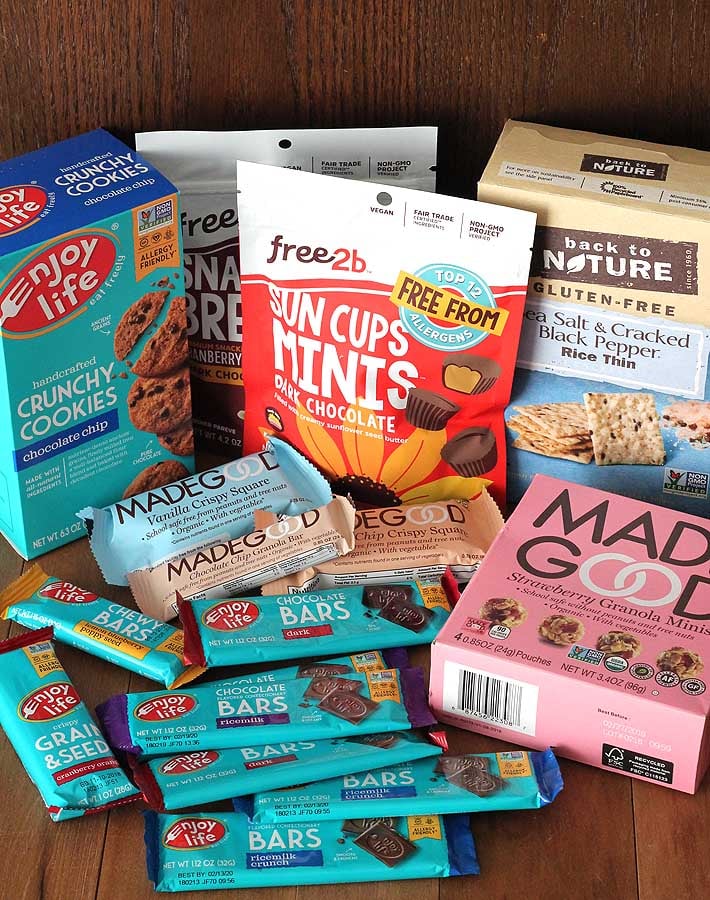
(393, 229)
(205, 161)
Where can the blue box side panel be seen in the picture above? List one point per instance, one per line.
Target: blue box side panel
(85, 178)
(11, 515)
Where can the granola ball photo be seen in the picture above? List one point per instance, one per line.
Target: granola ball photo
(561, 630)
(619, 643)
(504, 611)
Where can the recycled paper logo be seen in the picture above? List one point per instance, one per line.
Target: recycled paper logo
(191, 832)
(614, 756)
(682, 481)
(20, 207)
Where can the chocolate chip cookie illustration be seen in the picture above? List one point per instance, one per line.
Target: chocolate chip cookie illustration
(139, 316)
(619, 643)
(561, 630)
(181, 442)
(504, 611)
(160, 405)
(156, 476)
(166, 350)
(685, 663)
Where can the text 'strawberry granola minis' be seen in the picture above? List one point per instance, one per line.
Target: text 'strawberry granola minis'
(381, 327)
(90, 271)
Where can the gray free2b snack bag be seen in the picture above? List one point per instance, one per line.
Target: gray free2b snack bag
(203, 165)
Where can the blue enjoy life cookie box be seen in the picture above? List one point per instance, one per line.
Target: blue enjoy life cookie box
(87, 229)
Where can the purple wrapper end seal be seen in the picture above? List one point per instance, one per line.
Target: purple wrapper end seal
(152, 845)
(396, 658)
(415, 698)
(462, 850)
(113, 718)
(244, 805)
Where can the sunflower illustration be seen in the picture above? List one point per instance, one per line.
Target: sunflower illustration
(361, 470)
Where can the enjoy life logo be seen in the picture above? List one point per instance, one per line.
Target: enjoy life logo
(52, 286)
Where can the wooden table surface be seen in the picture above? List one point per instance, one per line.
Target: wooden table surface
(604, 836)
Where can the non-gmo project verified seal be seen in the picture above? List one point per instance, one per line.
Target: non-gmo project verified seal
(586, 654)
(690, 484)
(154, 216)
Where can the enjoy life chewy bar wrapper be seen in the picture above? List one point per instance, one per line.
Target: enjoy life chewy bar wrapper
(586, 629)
(381, 327)
(480, 782)
(407, 542)
(108, 630)
(612, 384)
(90, 257)
(204, 776)
(217, 504)
(232, 567)
(265, 708)
(62, 750)
(289, 626)
(227, 851)
(203, 164)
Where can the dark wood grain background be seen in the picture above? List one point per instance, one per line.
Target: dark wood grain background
(639, 68)
(630, 67)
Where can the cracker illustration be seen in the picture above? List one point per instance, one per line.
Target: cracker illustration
(625, 429)
(550, 448)
(556, 420)
(526, 427)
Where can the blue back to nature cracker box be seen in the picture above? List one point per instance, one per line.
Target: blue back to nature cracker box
(94, 389)
(611, 387)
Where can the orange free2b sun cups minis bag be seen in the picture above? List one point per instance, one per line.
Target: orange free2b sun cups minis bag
(381, 328)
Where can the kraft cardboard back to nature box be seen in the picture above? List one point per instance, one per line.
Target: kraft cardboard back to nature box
(611, 385)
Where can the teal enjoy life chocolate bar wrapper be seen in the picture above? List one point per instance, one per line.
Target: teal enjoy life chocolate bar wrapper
(227, 851)
(315, 700)
(247, 630)
(61, 748)
(205, 776)
(481, 782)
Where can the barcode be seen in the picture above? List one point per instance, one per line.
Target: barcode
(491, 699)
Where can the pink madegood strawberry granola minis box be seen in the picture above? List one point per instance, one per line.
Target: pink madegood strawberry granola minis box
(587, 628)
